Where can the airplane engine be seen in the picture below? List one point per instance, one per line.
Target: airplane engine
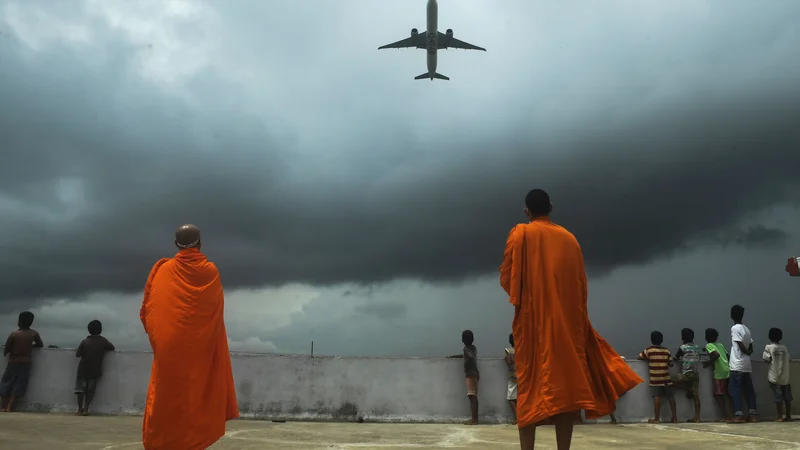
(414, 32)
(449, 32)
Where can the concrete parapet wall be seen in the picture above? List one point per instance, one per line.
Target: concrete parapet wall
(334, 388)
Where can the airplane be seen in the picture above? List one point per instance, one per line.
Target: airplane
(432, 40)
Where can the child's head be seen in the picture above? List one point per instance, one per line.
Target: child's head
(467, 337)
(95, 328)
(511, 340)
(656, 338)
(687, 335)
(25, 320)
(775, 335)
(737, 313)
(711, 335)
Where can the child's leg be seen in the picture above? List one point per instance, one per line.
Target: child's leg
(613, 419)
(513, 404)
(472, 394)
(787, 398)
(696, 398)
(735, 389)
(80, 389)
(722, 405)
(10, 402)
(80, 403)
(672, 408)
(656, 409)
(750, 392)
(473, 405)
(91, 385)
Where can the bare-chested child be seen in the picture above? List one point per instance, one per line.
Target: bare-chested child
(19, 348)
(659, 361)
(470, 356)
(91, 351)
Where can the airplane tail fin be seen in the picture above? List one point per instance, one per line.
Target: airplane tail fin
(427, 75)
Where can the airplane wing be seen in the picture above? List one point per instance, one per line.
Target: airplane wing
(448, 41)
(415, 41)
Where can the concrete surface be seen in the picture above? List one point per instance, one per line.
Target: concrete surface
(25, 431)
(411, 390)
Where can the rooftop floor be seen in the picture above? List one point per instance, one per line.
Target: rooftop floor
(22, 431)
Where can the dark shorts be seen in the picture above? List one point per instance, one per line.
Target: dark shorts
(721, 386)
(781, 394)
(85, 385)
(15, 380)
(661, 391)
(688, 381)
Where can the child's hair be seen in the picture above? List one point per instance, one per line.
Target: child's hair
(712, 335)
(95, 328)
(687, 335)
(737, 313)
(511, 339)
(656, 338)
(775, 335)
(467, 337)
(25, 320)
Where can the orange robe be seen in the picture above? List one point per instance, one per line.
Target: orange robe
(563, 365)
(191, 393)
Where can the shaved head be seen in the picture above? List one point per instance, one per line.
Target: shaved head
(187, 236)
(537, 203)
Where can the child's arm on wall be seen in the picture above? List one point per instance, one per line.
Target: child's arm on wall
(37, 340)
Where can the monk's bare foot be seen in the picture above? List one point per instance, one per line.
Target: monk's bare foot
(79, 413)
(722, 420)
(85, 413)
(737, 419)
(471, 422)
(787, 419)
(653, 421)
(752, 419)
(779, 419)
(674, 420)
(693, 420)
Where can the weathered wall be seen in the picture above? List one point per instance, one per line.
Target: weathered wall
(332, 388)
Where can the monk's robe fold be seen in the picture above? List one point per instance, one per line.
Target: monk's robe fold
(191, 393)
(563, 365)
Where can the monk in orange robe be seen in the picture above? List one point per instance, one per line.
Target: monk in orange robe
(191, 393)
(563, 365)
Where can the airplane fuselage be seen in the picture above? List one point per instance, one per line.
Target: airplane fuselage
(432, 36)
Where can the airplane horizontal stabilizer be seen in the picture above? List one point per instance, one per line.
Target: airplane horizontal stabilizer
(427, 75)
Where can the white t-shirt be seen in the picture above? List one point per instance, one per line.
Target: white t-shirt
(738, 361)
(777, 355)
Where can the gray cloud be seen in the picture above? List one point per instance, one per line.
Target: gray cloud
(657, 131)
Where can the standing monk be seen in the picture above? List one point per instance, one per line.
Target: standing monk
(563, 365)
(191, 393)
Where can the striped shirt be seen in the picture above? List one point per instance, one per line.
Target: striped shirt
(658, 360)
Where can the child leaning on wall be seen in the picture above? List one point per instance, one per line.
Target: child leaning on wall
(18, 348)
(91, 351)
(779, 360)
(470, 356)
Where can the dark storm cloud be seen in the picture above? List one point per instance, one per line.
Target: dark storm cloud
(98, 168)
(382, 310)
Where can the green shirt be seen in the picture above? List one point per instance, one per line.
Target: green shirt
(721, 368)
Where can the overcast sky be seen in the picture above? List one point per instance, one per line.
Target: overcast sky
(348, 204)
